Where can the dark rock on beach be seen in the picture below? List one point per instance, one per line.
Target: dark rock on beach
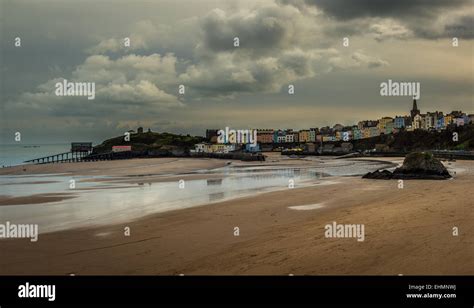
(418, 165)
(378, 175)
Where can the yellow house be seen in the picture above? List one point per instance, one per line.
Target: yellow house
(383, 123)
(448, 119)
(222, 148)
(366, 132)
(304, 136)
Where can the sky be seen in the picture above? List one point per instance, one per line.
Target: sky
(191, 43)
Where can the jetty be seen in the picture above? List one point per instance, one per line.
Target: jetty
(79, 151)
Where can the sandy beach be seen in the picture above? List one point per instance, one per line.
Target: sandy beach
(138, 167)
(408, 230)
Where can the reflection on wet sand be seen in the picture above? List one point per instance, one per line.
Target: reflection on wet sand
(93, 205)
(214, 182)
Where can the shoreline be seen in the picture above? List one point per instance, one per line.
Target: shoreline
(89, 168)
(408, 231)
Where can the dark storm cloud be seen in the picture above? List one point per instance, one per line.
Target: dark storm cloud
(276, 47)
(344, 9)
(427, 19)
(463, 27)
(265, 29)
(454, 26)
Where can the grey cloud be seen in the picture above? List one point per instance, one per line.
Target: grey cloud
(344, 9)
(227, 74)
(266, 29)
(389, 29)
(429, 19)
(125, 85)
(447, 26)
(371, 62)
(463, 27)
(274, 51)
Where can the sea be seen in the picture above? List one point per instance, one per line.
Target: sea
(17, 154)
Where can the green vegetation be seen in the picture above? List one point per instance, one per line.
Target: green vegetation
(152, 143)
(419, 156)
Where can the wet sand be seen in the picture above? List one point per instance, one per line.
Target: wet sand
(407, 231)
(34, 199)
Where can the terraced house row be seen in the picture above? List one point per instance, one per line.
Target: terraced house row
(368, 128)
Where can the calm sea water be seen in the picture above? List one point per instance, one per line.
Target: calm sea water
(16, 154)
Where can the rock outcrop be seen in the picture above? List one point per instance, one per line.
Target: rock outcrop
(418, 165)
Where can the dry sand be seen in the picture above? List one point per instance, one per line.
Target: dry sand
(407, 231)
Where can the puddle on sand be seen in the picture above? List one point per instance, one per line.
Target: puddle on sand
(306, 207)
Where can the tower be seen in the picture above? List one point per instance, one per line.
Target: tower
(414, 111)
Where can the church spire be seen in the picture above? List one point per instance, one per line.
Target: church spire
(414, 110)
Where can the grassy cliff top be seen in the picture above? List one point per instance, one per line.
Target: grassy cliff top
(150, 141)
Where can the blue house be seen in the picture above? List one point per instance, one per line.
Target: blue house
(399, 122)
(440, 123)
(249, 147)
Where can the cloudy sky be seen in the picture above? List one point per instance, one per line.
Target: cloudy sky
(191, 43)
